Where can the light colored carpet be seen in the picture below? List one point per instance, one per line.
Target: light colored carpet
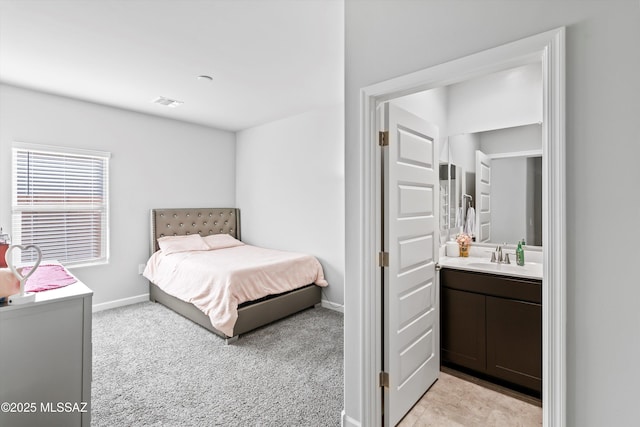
(152, 367)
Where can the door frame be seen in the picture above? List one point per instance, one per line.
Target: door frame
(549, 48)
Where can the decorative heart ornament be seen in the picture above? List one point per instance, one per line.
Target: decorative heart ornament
(9, 258)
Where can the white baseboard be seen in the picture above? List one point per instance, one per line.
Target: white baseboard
(120, 302)
(332, 305)
(348, 421)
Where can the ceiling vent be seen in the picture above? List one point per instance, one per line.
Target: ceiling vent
(161, 100)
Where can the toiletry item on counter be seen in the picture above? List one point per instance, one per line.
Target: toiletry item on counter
(520, 254)
(452, 249)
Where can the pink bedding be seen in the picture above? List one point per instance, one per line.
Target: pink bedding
(217, 281)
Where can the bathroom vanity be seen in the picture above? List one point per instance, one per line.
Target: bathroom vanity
(491, 321)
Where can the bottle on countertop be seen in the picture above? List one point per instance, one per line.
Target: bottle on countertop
(520, 254)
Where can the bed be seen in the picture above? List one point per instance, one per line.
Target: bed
(250, 314)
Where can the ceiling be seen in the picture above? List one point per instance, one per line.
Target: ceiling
(269, 59)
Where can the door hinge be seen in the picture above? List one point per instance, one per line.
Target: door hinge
(383, 259)
(383, 138)
(384, 379)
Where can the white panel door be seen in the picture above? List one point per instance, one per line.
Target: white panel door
(411, 354)
(483, 197)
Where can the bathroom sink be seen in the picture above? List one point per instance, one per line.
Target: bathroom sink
(530, 269)
(498, 267)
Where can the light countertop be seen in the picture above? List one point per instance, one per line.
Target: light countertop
(531, 270)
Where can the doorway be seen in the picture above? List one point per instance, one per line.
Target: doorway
(549, 49)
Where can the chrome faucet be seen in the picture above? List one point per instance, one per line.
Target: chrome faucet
(498, 251)
(499, 258)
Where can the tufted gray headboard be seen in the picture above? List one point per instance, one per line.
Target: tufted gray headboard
(205, 221)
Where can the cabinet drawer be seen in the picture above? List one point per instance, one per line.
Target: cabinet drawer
(517, 288)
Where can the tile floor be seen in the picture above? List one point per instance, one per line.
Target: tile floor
(455, 402)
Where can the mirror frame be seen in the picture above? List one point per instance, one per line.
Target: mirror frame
(550, 47)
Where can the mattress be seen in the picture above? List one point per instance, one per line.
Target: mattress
(218, 281)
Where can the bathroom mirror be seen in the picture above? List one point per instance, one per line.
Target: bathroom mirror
(500, 177)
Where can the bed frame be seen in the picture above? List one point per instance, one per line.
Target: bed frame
(205, 221)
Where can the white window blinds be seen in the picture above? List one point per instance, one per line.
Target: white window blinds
(60, 203)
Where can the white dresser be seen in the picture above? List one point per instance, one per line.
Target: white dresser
(45, 360)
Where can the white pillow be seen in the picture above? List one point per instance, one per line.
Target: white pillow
(221, 241)
(173, 244)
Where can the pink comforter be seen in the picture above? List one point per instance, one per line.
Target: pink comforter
(217, 281)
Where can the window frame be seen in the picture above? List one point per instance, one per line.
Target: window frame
(102, 208)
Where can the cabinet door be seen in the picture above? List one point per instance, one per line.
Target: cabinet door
(41, 360)
(514, 341)
(463, 328)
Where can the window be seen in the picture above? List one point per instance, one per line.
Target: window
(60, 203)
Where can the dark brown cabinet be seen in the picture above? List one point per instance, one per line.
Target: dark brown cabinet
(492, 325)
(463, 338)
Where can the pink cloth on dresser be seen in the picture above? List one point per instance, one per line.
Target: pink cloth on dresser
(46, 277)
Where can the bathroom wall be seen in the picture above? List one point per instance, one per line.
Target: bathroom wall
(508, 140)
(463, 150)
(430, 105)
(505, 99)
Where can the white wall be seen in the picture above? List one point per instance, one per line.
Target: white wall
(505, 99)
(603, 101)
(430, 105)
(155, 163)
(520, 138)
(290, 189)
(463, 150)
